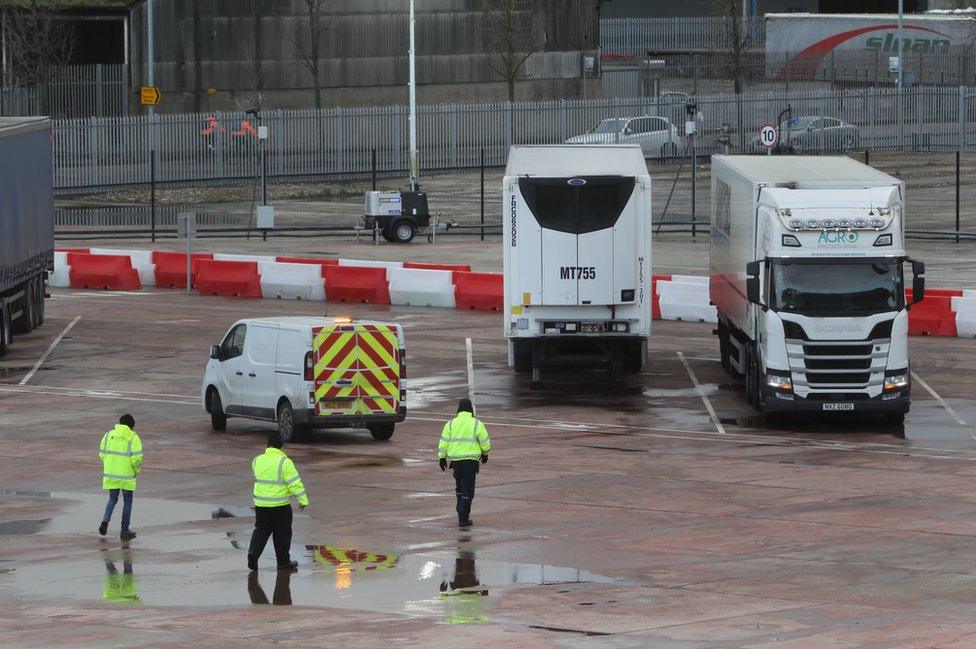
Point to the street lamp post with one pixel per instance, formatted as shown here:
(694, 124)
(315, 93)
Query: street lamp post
(414, 171)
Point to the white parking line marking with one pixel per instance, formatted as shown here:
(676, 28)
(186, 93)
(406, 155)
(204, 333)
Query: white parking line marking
(936, 396)
(54, 343)
(701, 393)
(468, 352)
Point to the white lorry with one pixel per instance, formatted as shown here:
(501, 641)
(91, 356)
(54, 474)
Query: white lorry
(807, 258)
(306, 372)
(577, 256)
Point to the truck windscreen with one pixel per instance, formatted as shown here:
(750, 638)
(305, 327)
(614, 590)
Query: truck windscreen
(817, 288)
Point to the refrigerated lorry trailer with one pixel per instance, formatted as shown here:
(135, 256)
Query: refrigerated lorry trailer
(807, 275)
(26, 224)
(577, 256)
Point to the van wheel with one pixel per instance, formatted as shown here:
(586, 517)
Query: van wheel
(403, 231)
(6, 335)
(218, 419)
(381, 432)
(287, 428)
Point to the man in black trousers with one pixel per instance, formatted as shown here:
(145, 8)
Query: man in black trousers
(276, 481)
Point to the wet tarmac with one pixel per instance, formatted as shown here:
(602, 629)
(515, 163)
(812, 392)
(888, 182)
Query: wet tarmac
(608, 515)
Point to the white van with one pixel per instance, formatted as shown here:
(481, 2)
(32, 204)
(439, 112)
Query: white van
(306, 372)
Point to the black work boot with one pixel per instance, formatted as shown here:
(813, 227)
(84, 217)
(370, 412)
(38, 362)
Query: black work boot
(252, 562)
(127, 535)
(466, 523)
(103, 528)
(291, 565)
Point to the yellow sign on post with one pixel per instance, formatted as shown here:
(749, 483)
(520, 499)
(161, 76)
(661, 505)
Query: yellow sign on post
(150, 96)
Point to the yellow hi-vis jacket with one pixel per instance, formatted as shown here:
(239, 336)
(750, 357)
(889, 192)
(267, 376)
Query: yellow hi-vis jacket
(464, 438)
(121, 455)
(276, 479)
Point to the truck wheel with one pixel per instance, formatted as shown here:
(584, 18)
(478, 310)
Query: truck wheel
(287, 428)
(895, 419)
(523, 357)
(403, 231)
(40, 301)
(751, 378)
(381, 432)
(6, 335)
(218, 419)
(25, 323)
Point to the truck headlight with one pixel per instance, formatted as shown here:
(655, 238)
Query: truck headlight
(896, 380)
(779, 382)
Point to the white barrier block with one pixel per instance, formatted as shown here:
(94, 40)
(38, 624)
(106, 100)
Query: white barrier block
(141, 261)
(690, 279)
(969, 293)
(258, 258)
(292, 281)
(59, 277)
(965, 308)
(371, 264)
(685, 301)
(421, 287)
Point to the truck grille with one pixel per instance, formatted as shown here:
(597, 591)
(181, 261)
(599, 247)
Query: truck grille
(831, 365)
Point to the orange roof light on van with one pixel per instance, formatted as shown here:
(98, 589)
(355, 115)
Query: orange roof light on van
(342, 319)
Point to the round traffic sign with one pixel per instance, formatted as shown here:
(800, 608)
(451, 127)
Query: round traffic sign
(768, 136)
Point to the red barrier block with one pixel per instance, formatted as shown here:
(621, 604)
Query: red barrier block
(481, 291)
(655, 297)
(230, 278)
(308, 260)
(171, 267)
(932, 316)
(425, 266)
(113, 272)
(82, 250)
(356, 284)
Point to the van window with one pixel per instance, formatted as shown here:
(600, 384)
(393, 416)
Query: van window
(588, 206)
(233, 345)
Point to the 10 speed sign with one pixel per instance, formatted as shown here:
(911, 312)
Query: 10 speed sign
(768, 136)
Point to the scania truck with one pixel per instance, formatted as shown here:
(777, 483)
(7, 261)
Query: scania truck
(577, 257)
(26, 223)
(807, 275)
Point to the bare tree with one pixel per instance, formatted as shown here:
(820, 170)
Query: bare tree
(309, 38)
(38, 41)
(736, 39)
(507, 28)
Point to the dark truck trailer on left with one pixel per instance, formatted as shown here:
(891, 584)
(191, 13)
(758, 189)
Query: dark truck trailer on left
(26, 223)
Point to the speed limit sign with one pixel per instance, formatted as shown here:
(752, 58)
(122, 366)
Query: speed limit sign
(768, 136)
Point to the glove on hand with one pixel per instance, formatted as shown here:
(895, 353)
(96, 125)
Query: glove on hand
(443, 463)
(484, 458)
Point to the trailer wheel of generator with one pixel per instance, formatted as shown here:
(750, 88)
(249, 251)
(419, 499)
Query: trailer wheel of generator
(381, 432)
(523, 357)
(6, 335)
(25, 323)
(387, 234)
(403, 231)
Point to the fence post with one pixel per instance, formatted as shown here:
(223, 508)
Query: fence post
(963, 95)
(564, 117)
(957, 196)
(99, 109)
(483, 194)
(372, 166)
(93, 151)
(152, 194)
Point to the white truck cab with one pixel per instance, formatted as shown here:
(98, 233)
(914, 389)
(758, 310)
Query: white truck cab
(306, 372)
(807, 257)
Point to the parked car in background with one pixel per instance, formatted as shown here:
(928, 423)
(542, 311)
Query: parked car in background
(816, 132)
(656, 136)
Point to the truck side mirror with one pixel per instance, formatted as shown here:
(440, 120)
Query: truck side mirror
(215, 352)
(752, 284)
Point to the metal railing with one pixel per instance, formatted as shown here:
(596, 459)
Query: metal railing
(73, 91)
(631, 35)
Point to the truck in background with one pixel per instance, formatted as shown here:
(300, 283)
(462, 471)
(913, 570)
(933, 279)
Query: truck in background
(577, 256)
(807, 257)
(26, 224)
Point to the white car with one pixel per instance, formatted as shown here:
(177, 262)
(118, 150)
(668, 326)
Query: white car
(656, 136)
(306, 372)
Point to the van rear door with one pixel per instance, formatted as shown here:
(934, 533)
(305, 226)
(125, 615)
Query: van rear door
(357, 369)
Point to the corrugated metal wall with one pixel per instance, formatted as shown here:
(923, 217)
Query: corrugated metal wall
(251, 44)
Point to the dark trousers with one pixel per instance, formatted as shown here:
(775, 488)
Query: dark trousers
(113, 498)
(465, 473)
(268, 522)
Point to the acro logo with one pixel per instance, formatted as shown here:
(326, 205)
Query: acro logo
(838, 237)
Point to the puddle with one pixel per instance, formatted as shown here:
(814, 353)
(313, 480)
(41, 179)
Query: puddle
(452, 585)
(707, 389)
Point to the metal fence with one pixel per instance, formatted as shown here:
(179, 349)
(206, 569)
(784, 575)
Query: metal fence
(74, 91)
(96, 153)
(629, 35)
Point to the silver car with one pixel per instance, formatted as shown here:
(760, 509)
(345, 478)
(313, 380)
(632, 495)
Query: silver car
(656, 136)
(818, 132)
